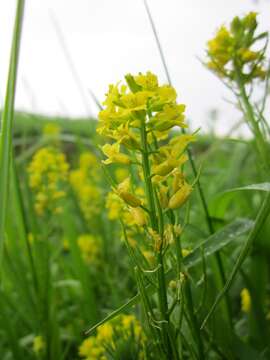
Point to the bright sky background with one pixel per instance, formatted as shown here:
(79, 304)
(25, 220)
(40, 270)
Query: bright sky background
(109, 38)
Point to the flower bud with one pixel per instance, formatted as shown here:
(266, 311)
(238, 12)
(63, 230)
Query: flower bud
(180, 197)
(129, 199)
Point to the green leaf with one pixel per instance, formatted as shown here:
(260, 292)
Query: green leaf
(7, 121)
(211, 245)
(259, 187)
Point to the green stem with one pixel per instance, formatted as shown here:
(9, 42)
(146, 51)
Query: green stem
(162, 293)
(261, 144)
(188, 294)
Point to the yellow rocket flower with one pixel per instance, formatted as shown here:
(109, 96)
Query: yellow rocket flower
(112, 151)
(123, 327)
(231, 50)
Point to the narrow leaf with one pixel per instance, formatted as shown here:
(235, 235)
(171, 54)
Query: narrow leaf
(7, 121)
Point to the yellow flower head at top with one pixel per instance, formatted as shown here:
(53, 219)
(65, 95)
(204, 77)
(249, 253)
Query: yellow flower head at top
(126, 104)
(231, 50)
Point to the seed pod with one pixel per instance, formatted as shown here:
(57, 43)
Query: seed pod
(165, 168)
(180, 197)
(129, 199)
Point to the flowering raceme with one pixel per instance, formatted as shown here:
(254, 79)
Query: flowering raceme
(232, 50)
(48, 175)
(138, 117)
(141, 119)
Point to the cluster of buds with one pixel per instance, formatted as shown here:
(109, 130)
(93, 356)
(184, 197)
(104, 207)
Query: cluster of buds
(139, 117)
(232, 50)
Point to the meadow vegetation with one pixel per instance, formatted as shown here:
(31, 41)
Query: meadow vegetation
(131, 237)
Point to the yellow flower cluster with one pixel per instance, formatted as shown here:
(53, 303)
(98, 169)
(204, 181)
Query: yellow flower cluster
(121, 328)
(137, 114)
(84, 183)
(126, 105)
(89, 247)
(232, 50)
(48, 174)
(138, 118)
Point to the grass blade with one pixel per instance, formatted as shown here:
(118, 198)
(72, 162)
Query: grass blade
(7, 121)
(259, 187)
(260, 219)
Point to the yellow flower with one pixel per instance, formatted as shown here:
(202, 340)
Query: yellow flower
(112, 151)
(51, 129)
(220, 48)
(89, 247)
(88, 160)
(123, 192)
(108, 334)
(165, 94)
(135, 101)
(180, 197)
(185, 252)
(105, 333)
(148, 81)
(172, 115)
(114, 205)
(230, 51)
(245, 300)
(121, 174)
(38, 344)
(90, 349)
(138, 117)
(139, 216)
(165, 167)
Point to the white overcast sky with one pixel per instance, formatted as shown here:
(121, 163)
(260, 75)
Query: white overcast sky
(108, 38)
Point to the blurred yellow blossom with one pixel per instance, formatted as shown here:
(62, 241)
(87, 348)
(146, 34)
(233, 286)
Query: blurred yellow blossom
(48, 174)
(120, 329)
(38, 344)
(84, 181)
(245, 300)
(89, 247)
(51, 129)
(233, 51)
